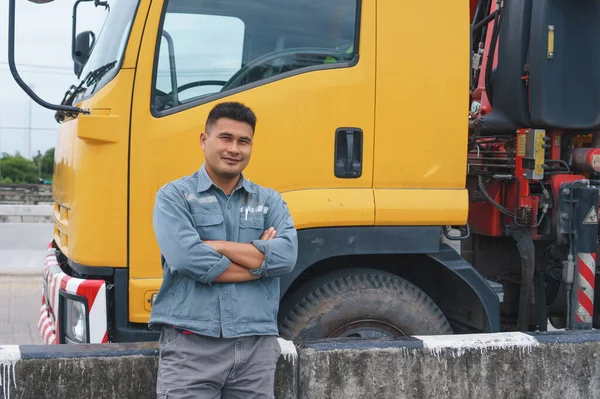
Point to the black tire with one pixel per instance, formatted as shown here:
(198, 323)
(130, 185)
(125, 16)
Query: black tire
(363, 303)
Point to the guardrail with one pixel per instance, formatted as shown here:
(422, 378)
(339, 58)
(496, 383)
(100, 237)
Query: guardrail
(501, 365)
(28, 194)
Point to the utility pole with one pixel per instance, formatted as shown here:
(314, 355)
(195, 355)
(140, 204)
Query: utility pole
(1, 150)
(32, 85)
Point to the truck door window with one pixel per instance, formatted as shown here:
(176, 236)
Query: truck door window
(210, 49)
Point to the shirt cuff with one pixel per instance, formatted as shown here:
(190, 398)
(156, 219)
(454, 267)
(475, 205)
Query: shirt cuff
(215, 271)
(262, 246)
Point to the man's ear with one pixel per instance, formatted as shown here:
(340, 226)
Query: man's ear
(203, 139)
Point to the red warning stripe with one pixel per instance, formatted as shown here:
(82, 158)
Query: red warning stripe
(586, 302)
(585, 271)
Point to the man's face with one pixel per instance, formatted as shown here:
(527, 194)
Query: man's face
(227, 147)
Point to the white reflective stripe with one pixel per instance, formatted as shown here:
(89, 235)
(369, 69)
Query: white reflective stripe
(98, 317)
(202, 200)
(47, 333)
(586, 288)
(45, 327)
(73, 284)
(54, 293)
(583, 314)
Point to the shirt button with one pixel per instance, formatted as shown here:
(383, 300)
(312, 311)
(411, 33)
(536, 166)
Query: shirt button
(229, 206)
(254, 222)
(203, 220)
(224, 297)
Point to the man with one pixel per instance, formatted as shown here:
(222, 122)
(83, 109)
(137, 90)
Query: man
(224, 243)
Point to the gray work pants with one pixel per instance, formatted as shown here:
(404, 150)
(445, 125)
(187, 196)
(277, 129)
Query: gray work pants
(194, 366)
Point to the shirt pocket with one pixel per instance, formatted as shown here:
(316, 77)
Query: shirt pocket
(251, 227)
(210, 226)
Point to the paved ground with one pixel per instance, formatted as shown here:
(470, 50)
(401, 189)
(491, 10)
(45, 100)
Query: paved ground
(20, 302)
(23, 247)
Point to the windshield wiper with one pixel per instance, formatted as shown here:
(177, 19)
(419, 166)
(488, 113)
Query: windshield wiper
(98, 73)
(91, 78)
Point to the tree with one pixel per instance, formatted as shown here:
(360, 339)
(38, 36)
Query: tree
(48, 164)
(18, 169)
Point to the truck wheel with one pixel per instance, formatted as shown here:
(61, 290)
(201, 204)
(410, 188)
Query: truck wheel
(361, 303)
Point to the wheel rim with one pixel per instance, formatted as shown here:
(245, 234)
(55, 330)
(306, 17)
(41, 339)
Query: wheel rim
(368, 329)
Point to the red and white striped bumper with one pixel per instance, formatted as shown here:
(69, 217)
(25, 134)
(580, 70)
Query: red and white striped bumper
(92, 291)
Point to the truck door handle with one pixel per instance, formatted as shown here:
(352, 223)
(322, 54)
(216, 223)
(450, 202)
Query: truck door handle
(348, 153)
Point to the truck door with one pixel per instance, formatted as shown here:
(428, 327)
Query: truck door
(307, 69)
(421, 122)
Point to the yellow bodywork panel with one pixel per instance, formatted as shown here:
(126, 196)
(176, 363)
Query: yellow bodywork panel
(330, 208)
(293, 150)
(90, 182)
(421, 207)
(420, 122)
(91, 166)
(422, 75)
(140, 298)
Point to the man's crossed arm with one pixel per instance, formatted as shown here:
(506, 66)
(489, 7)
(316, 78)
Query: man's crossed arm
(222, 261)
(243, 257)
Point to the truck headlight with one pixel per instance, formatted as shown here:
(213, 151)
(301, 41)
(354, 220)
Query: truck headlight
(75, 319)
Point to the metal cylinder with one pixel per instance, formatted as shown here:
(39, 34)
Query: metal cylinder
(586, 159)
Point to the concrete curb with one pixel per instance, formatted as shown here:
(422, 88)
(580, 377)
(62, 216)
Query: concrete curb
(10, 213)
(536, 365)
(126, 370)
(500, 365)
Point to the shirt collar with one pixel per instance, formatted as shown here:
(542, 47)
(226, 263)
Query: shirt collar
(205, 182)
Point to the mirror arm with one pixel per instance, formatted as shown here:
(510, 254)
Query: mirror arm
(75, 25)
(15, 73)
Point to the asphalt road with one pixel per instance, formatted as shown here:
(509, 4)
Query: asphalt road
(20, 303)
(23, 247)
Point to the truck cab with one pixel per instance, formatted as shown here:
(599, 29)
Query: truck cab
(363, 127)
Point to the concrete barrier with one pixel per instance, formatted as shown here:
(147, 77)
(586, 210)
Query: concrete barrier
(103, 371)
(26, 213)
(502, 365)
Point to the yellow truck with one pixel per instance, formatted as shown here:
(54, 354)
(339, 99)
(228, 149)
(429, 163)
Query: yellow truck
(368, 118)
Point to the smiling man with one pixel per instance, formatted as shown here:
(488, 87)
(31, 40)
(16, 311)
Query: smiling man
(224, 243)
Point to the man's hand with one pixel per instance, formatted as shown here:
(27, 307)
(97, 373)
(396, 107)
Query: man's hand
(268, 234)
(238, 273)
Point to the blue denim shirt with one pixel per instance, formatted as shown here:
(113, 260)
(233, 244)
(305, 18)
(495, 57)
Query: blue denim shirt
(192, 209)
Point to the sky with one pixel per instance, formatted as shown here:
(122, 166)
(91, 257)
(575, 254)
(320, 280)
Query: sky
(43, 57)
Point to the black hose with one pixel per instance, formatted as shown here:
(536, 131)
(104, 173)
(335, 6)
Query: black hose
(560, 161)
(527, 253)
(491, 53)
(491, 200)
(484, 21)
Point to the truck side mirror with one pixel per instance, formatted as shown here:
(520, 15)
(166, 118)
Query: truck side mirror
(84, 42)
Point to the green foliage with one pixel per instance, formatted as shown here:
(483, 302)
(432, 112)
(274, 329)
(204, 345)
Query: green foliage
(18, 169)
(48, 164)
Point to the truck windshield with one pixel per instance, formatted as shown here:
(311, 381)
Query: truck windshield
(110, 44)
(212, 46)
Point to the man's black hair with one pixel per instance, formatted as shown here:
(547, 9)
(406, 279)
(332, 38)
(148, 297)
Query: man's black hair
(231, 110)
